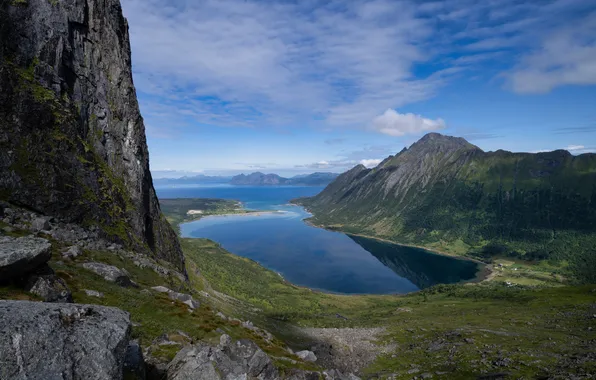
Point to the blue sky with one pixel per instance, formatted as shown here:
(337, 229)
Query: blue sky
(293, 87)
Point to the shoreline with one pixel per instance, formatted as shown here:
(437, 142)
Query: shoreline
(485, 272)
(244, 214)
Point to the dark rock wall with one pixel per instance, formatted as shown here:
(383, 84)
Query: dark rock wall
(72, 139)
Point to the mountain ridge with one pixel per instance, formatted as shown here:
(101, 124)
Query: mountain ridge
(446, 193)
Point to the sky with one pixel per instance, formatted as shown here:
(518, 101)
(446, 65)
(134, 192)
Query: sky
(291, 87)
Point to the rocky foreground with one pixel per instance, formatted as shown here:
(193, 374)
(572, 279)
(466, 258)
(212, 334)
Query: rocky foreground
(73, 341)
(50, 337)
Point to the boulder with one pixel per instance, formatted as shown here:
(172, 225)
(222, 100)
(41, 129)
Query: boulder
(184, 298)
(242, 359)
(307, 356)
(110, 273)
(44, 283)
(93, 293)
(62, 341)
(19, 256)
(161, 289)
(192, 304)
(40, 224)
(225, 341)
(193, 363)
(72, 252)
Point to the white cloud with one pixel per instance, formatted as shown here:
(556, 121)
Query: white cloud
(328, 164)
(575, 147)
(565, 57)
(349, 159)
(393, 123)
(370, 163)
(580, 149)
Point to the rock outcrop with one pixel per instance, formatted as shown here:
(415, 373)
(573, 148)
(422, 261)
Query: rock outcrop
(44, 283)
(240, 359)
(62, 341)
(110, 273)
(307, 355)
(72, 140)
(19, 256)
(186, 299)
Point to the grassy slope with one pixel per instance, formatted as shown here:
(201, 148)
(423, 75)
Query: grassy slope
(463, 330)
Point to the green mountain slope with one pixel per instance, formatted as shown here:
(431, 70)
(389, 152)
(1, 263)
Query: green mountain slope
(444, 192)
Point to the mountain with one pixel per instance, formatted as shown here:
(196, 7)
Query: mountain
(260, 179)
(314, 179)
(446, 193)
(198, 179)
(72, 139)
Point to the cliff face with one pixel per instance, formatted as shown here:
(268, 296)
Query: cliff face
(72, 139)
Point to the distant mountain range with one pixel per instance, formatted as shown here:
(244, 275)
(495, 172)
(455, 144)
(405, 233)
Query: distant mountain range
(261, 179)
(253, 179)
(201, 178)
(448, 194)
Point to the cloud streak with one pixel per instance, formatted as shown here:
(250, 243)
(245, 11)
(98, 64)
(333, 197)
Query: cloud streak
(276, 63)
(566, 57)
(342, 64)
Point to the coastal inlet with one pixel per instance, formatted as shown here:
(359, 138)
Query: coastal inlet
(277, 237)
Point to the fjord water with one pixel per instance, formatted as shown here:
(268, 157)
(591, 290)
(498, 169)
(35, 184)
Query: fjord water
(314, 257)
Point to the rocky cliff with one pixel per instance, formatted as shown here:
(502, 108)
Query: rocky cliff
(72, 139)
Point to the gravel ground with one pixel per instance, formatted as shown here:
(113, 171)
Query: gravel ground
(347, 349)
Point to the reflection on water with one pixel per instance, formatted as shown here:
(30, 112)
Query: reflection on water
(421, 267)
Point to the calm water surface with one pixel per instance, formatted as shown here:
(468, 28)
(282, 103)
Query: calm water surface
(314, 257)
